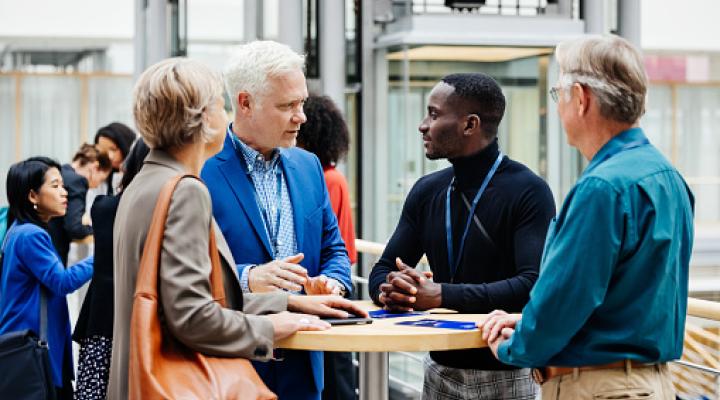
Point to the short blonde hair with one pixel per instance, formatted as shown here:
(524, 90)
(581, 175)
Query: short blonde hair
(170, 98)
(612, 68)
(252, 64)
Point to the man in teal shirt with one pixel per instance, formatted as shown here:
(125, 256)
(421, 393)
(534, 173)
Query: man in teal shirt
(608, 309)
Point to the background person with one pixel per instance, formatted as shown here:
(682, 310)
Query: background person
(89, 168)
(31, 264)
(94, 327)
(608, 310)
(114, 139)
(325, 134)
(179, 110)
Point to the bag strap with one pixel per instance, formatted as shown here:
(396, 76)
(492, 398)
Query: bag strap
(216, 277)
(43, 315)
(147, 278)
(2, 249)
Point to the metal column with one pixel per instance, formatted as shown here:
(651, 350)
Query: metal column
(158, 29)
(139, 40)
(332, 50)
(374, 372)
(629, 21)
(565, 8)
(290, 29)
(158, 46)
(252, 20)
(596, 15)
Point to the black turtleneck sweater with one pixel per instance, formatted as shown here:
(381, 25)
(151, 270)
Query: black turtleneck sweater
(494, 273)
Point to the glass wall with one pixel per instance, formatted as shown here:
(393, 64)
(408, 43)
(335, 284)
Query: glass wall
(698, 145)
(7, 130)
(682, 120)
(53, 114)
(521, 133)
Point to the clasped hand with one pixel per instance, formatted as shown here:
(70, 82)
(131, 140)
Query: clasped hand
(288, 274)
(407, 290)
(498, 327)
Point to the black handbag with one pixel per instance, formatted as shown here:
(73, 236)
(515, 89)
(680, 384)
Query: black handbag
(24, 358)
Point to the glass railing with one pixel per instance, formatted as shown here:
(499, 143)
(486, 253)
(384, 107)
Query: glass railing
(697, 374)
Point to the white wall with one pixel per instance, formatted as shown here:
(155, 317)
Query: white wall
(666, 24)
(215, 20)
(680, 25)
(67, 18)
(208, 20)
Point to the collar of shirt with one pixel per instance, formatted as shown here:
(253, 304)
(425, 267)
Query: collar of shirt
(470, 171)
(253, 158)
(615, 144)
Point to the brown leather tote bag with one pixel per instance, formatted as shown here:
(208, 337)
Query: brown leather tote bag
(161, 367)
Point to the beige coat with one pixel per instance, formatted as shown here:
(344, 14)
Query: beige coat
(189, 311)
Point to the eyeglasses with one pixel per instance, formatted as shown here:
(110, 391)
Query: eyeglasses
(554, 93)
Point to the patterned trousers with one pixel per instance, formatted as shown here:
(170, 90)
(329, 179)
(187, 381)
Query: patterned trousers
(445, 383)
(93, 368)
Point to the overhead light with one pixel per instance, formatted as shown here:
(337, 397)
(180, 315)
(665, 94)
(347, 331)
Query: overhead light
(464, 3)
(468, 53)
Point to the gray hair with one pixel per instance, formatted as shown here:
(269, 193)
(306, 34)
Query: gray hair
(612, 68)
(170, 99)
(253, 63)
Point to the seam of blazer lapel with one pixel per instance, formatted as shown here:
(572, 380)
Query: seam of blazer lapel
(235, 186)
(296, 200)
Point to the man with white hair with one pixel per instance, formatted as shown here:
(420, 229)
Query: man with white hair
(608, 309)
(270, 200)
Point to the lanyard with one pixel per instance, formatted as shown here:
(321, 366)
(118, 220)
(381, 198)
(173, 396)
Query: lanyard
(628, 146)
(452, 262)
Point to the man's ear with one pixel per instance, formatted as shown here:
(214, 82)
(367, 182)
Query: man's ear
(581, 97)
(244, 101)
(473, 125)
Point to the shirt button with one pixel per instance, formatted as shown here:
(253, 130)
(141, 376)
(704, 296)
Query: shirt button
(279, 243)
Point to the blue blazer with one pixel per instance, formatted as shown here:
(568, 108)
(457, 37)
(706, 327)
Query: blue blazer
(30, 261)
(316, 230)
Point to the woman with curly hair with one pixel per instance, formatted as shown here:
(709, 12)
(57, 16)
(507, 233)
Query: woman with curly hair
(326, 135)
(94, 327)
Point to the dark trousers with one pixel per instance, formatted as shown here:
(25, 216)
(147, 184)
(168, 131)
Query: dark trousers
(292, 378)
(340, 377)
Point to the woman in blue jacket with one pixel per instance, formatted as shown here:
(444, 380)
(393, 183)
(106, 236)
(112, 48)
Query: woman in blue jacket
(31, 264)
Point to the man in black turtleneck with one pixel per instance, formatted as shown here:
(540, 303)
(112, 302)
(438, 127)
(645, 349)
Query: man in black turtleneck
(495, 254)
